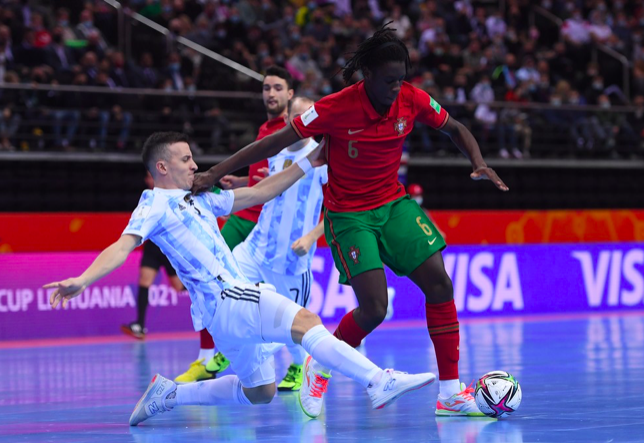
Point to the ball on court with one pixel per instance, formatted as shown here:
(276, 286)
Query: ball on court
(497, 394)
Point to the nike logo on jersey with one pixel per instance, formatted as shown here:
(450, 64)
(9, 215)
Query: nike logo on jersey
(355, 132)
(431, 242)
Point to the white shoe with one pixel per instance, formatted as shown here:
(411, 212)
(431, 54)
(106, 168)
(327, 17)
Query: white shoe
(460, 404)
(395, 384)
(153, 400)
(314, 386)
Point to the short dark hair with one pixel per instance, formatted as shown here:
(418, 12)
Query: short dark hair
(282, 73)
(156, 146)
(381, 48)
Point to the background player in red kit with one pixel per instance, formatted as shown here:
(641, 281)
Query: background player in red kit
(369, 218)
(277, 91)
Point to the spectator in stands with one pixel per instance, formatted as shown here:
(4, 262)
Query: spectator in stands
(528, 73)
(606, 126)
(513, 126)
(62, 21)
(399, 21)
(122, 73)
(42, 37)
(485, 116)
(9, 118)
(65, 111)
(173, 71)
(595, 89)
(86, 28)
(7, 61)
(495, 25)
(26, 53)
(599, 30)
(636, 122)
(89, 66)
(57, 55)
(148, 75)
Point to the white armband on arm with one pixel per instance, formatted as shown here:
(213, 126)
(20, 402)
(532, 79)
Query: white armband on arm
(304, 164)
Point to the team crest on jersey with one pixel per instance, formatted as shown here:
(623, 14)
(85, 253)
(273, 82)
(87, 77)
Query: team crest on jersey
(400, 125)
(354, 253)
(288, 162)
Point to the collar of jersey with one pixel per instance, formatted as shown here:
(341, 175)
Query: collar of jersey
(368, 107)
(172, 192)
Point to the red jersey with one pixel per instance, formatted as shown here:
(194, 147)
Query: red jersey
(363, 147)
(271, 126)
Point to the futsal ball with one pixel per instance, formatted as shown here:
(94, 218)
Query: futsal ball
(497, 394)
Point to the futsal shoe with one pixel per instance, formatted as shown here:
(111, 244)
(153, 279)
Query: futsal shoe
(459, 405)
(153, 400)
(314, 386)
(395, 384)
(219, 363)
(293, 379)
(134, 330)
(196, 372)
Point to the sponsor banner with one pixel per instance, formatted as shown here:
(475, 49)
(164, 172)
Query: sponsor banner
(95, 231)
(488, 281)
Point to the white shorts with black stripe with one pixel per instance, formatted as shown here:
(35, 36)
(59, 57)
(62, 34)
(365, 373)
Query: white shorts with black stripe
(247, 319)
(295, 287)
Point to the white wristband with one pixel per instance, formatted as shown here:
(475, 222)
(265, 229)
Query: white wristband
(304, 164)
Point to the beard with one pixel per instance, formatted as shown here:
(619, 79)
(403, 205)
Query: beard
(276, 110)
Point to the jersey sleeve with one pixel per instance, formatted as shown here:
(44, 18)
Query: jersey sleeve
(145, 218)
(318, 119)
(428, 111)
(221, 202)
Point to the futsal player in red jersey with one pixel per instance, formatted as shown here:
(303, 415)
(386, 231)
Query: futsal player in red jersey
(369, 218)
(277, 91)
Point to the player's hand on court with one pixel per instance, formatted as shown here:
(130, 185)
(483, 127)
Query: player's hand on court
(263, 173)
(302, 245)
(317, 157)
(65, 291)
(486, 173)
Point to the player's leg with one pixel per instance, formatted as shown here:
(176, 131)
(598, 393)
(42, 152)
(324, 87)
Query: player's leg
(150, 264)
(283, 321)
(298, 289)
(257, 387)
(411, 246)
(234, 232)
(354, 245)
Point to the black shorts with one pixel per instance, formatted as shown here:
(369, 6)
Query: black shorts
(154, 258)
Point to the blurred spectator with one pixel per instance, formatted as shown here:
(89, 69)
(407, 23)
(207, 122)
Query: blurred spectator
(86, 28)
(9, 117)
(57, 55)
(62, 21)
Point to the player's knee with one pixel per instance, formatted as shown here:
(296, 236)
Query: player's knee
(375, 312)
(303, 322)
(262, 395)
(441, 291)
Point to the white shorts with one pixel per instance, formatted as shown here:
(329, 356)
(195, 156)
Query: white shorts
(247, 319)
(295, 287)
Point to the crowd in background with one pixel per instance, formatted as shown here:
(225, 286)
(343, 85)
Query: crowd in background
(461, 51)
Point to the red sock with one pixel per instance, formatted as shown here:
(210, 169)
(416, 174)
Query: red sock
(349, 332)
(442, 325)
(206, 339)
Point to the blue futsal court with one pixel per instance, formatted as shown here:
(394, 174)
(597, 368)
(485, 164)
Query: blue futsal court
(581, 378)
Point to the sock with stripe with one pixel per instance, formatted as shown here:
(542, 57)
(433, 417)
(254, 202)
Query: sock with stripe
(349, 332)
(226, 390)
(331, 353)
(442, 324)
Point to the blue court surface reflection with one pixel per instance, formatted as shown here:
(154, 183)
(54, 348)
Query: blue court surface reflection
(581, 378)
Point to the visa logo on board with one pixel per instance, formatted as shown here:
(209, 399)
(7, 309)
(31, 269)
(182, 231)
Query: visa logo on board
(614, 278)
(495, 280)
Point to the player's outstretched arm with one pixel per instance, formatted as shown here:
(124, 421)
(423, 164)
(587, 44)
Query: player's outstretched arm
(303, 245)
(256, 151)
(272, 186)
(465, 141)
(111, 258)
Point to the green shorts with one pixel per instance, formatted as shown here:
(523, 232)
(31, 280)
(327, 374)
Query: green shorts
(398, 234)
(236, 230)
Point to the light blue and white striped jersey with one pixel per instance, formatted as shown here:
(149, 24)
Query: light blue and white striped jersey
(288, 217)
(184, 227)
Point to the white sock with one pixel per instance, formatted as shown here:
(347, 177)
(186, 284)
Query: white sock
(298, 353)
(447, 388)
(206, 354)
(332, 353)
(226, 390)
